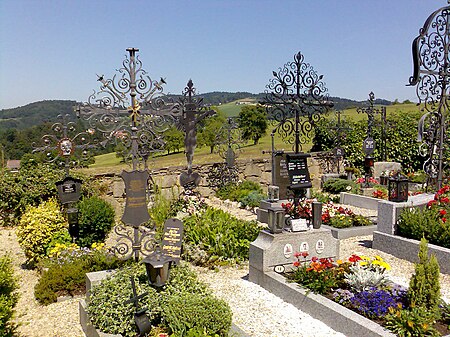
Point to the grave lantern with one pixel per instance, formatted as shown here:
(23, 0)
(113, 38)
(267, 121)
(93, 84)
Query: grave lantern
(398, 188)
(276, 220)
(158, 266)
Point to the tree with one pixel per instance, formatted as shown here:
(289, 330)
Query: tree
(253, 122)
(210, 133)
(174, 139)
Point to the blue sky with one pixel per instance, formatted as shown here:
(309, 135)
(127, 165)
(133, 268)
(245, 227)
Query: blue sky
(54, 49)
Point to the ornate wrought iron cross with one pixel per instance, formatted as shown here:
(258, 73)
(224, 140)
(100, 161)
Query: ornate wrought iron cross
(431, 77)
(296, 101)
(130, 108)
(63, 143)
(191, 111)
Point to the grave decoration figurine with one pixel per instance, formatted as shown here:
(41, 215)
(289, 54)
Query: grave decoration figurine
(191, 111)
(229, 140)
(431, 76)
(131, 107)
(60, 147)
(369, 143)
(295, 101)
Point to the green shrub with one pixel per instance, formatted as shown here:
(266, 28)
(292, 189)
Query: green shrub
(37, 227)
(253, 199)
(412, 322)
(109, 313)
(424, 288)
(241, 191)
(416, 223)
(337, 185)
(95, 220)
(161, 209)
(8, 297)
(192, 310)
(66, 275)
(219, 236)
(341, 221)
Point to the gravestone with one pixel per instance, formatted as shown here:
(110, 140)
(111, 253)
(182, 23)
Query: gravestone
(69, 190)
(275, 252)
(382, 166)
(172, 239)
(281, 176)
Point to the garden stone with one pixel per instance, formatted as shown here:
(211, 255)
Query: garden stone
(382, 166)
(252, 170)
(118, 189)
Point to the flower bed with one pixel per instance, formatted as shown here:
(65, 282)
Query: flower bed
(361, 285)
(332, 215)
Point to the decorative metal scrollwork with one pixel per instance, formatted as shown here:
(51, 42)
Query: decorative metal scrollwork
(130, 94)
(431, 76)
(62, 144)
(132, 242)
(295, 100)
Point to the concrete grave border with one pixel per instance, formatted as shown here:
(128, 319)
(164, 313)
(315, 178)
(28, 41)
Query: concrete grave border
(327, 311)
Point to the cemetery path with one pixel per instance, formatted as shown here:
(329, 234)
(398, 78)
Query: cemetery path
(55, 320)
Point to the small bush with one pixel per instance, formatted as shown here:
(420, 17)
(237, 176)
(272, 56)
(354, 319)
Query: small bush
(341, 221)
(95, 220)
(66, 273)
(416, 223)
(37, 227)
(192, 310)
(246, 192)
(412, 322)
(219, 236)
(336, 186)
(8, 297)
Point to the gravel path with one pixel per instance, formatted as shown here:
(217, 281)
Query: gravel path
(256, 311)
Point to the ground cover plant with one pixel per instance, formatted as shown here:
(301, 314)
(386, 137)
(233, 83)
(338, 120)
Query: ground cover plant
(361, 284)
(8, 297)
(248, 193)
(429, 222)
(64, 272)
(200, 311)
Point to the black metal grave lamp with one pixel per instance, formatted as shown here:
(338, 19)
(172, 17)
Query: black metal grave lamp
(157, 265)
(398, 188)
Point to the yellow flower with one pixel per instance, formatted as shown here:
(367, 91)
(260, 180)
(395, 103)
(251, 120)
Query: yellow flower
(339, 262)
(410, 324)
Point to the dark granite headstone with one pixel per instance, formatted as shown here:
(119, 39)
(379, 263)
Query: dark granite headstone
(281, 176)
(297, 168)
(136, 212)
(369, 145)
(172, 239)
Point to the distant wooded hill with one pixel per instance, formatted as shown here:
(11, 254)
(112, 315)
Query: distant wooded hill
(47, 111)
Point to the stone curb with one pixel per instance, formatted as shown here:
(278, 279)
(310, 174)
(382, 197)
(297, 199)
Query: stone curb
(345, 233)
(407, 249)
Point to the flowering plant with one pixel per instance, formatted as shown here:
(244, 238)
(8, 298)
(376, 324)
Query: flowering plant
(302, 210)
(441, 203)
(380, 193)
(372, 180)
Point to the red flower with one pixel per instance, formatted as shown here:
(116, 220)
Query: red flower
(297, 254)
(442, 212)
(296, 263)
(431, 203)
(305, 254)
(354, 258)
(314, 259)
(444, 220)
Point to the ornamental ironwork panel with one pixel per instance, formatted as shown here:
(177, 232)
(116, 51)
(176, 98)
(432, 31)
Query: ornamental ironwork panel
(431, 72)
(60, 145)
(295, 100)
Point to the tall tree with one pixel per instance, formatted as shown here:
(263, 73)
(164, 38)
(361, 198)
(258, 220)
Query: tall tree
(174, 139)
(211, 132)
(253, 122)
